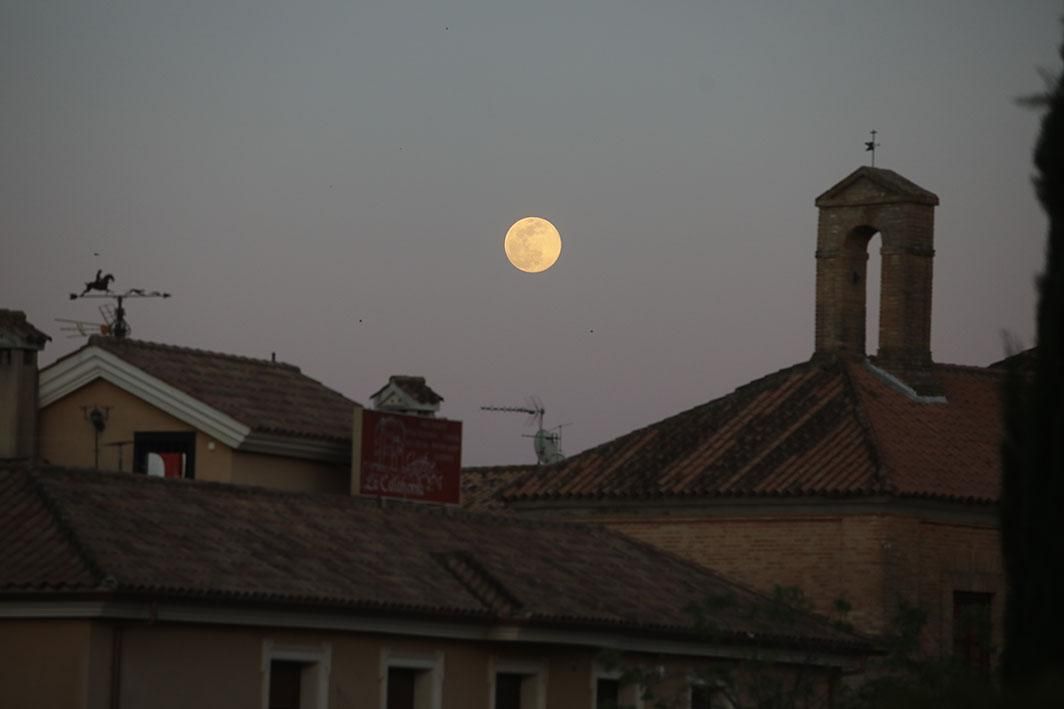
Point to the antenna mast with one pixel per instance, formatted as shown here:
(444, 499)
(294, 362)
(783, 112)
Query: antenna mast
(118, 328)
(546, 442)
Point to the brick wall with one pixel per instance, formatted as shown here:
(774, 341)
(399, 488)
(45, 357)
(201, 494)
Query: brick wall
(870, 560)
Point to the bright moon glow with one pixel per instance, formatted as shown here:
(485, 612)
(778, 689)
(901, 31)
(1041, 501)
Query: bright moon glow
(533, 244)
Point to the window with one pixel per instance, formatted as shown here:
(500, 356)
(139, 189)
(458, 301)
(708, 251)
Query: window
(295, 677)
(700, 696)
(518, 685)
(168, 454)
(709, 696)
(285, 684)
(971, 629)
(608, 692)
(411, 681)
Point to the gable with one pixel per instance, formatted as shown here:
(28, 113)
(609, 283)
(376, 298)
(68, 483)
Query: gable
(91, 363)
(872, 185)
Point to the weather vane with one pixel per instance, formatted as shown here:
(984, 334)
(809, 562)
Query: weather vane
(118, 327)
(870, 147)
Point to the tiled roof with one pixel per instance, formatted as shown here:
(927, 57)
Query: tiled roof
(481, 485)
(832, 428)
(268, 397)
(14, 323)
(1025, 361)
(414, 387)
(129, 536)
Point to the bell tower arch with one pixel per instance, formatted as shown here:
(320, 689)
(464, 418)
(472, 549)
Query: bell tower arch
(869, 201)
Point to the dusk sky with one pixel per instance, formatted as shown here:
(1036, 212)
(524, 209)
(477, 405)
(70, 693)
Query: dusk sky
(332, 181)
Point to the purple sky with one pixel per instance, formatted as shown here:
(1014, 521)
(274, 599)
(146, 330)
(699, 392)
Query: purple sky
(289, 169)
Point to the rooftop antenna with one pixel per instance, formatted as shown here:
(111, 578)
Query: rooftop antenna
(546, 442)
(117, 325)
(870, 147)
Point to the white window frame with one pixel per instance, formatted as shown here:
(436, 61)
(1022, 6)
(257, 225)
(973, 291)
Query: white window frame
(630, 695)
(717, 699)
(429, 663)
(533, 687)
(314, 682)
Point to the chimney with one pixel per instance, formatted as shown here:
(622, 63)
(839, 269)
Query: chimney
(404, 394)
(870, 201)
(19, 344)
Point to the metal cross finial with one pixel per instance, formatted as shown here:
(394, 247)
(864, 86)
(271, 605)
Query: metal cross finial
(870, 146)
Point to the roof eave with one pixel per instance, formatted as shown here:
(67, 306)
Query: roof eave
(90, 363)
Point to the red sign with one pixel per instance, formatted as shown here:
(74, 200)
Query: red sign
(414, 457)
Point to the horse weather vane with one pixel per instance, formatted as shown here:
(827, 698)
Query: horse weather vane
(100, 287)
(870, 147)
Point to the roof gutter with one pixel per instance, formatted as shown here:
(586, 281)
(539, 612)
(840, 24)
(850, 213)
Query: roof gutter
(474, 629)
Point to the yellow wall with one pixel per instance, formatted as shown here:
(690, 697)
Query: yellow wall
(289, 473)
(67, 438)
(44, 663)
(168, 666)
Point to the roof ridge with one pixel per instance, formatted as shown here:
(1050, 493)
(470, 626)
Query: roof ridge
(749, 386)
(326, 498)
(99, 340)
(989, 371)
(865, 422)
(66, 530)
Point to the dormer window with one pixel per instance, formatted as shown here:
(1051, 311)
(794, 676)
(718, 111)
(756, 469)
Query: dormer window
(166, 454)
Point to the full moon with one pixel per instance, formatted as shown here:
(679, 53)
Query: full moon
(532, 244)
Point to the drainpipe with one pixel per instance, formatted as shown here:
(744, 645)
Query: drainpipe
(116, 667)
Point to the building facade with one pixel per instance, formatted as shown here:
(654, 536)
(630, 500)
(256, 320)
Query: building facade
(121, 590)
(869, 483)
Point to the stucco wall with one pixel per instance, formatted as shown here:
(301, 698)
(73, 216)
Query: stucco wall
(44, 664)
(170, 666)
(289, 473)
(67, 438)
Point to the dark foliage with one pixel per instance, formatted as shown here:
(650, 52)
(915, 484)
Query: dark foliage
(1032, 505)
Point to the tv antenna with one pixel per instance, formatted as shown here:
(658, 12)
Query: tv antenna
(547, 442)
(85, 328)
(115, 316)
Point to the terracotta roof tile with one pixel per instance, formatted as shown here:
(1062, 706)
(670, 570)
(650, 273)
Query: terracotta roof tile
(268, 397)
(481, 485)
(174, 539)
(834, 428)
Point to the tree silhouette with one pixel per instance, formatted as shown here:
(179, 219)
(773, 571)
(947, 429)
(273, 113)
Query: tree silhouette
(1032, 501)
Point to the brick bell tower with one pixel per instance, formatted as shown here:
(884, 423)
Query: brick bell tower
(869, 201)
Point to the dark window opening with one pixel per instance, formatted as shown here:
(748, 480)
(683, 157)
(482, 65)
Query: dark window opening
(700, 696)
(607, 694)
(5, 356)
(402, 683)
(165, 454)
(508, 690)
(285, 684)
(971, 630)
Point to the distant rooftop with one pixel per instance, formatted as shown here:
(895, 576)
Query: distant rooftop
(266, 396)
(65, 533)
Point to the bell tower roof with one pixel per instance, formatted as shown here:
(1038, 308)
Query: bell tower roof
(875, 185)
